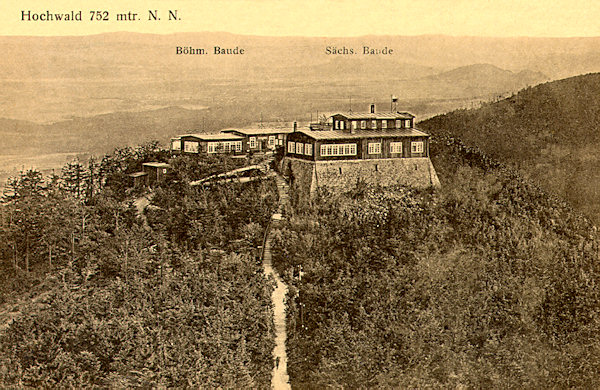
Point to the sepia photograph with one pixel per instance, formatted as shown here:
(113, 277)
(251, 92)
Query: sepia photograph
(327, 194)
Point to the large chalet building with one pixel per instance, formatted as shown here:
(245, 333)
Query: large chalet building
(383, 148)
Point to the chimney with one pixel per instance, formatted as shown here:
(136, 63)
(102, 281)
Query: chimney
(394, 104)
(372, 108)
(295, 126)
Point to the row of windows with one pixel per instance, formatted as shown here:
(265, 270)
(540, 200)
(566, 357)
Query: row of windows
(226, 146)
(300, 148)
(400, 123)
(338, 150)
(395, 147)
(272, 141)
(350, 149)
(190, 146)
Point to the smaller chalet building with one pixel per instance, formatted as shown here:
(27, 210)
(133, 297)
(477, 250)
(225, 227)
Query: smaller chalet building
(156, 172)
(152, 172)
(262, 139)
(209, 144)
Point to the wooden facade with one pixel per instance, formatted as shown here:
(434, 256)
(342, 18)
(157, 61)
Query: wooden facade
(360, 136)
(371, 146)
(261, 139)
(155, 172)
(354, 122)
(209, 144)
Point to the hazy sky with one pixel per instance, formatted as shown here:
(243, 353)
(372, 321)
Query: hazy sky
(331, 18)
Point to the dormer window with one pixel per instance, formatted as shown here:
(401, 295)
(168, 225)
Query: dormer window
(407, 123)
(398, 123)
(373, 124)
(363, 124)
(384, 124)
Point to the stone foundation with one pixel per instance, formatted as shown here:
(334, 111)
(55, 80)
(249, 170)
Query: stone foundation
(307, 176)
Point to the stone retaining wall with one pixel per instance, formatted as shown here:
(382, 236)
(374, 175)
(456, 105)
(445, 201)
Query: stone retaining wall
(307, 176)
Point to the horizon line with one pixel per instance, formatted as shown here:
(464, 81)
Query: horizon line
(301, 36)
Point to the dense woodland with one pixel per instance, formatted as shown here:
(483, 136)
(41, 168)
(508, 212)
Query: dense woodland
(487, 282)
(104, 296)
(549, 132)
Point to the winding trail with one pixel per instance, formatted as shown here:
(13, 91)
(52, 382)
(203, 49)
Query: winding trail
(279, 377)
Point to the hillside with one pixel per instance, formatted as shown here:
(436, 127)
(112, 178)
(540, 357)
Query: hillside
(486, 282)
(549, 132)
(93, 293)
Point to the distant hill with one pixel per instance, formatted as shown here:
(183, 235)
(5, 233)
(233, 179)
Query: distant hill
(487, 78)
(129, 54)
(490, 77)
(550, 132)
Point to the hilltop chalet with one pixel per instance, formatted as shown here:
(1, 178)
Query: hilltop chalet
(261, 139)
(209, 144)
(384, 148)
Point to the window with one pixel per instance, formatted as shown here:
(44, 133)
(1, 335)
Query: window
(308, 149)
(271, 140)
(374, 148)
(398, 123)
(165, 171)
(299, 148)
(407, 123)
(396, 147)
(337, 125)
(253, 142)
(291, 147)
(416, 147)
(373, 124)
(354, 125)
(384, 124)
(363, 124)
(176, 145)
(338, 150)
(211, 147)
(190, 146)
(226, 146)
(342, 125)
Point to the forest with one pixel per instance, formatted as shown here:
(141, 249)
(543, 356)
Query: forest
(487, 282)
(490, 281)
(548, 132)
(96, 294)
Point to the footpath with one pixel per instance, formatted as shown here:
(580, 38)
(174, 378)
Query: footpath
(279, 377)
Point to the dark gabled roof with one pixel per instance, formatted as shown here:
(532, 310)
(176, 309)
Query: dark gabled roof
(214, 137)
(377, 115)
(260, 131)
(337, 134)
